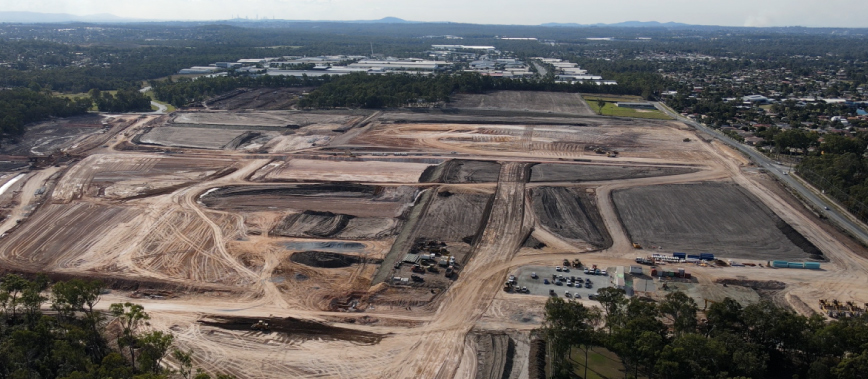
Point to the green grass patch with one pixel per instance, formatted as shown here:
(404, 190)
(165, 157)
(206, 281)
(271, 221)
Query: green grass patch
(610, 109)
(602, 364)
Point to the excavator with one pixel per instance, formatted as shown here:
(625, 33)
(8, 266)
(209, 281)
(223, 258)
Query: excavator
(261, 326)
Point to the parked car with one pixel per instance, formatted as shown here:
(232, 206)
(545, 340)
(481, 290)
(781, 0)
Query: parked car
(533, 275)
(545, 281)
(567, 294)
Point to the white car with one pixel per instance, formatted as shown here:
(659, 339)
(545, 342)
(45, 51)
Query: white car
(558, 268)
(533, 275)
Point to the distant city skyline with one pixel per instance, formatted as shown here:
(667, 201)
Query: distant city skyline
(832, 13)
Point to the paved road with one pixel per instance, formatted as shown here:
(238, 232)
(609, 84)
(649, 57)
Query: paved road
(781, 172)
(541, 69)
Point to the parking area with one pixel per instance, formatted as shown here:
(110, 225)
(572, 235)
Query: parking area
(539, 287)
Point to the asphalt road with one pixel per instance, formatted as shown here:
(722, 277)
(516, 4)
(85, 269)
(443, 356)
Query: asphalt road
(833, 213)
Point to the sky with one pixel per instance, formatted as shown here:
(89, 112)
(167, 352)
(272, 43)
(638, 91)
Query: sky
(828, 13)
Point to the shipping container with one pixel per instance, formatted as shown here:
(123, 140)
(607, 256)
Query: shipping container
(692, 256)
(780, 264)
(679, 255)
(686, 275)
(795, 265)
(812, 265)
(654, 272)
(706, 256)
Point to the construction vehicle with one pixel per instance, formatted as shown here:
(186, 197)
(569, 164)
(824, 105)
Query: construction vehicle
(636, 245)
(824, 305)
(417, 278)
(612, 154)
(577, 263)
(418, 269)
(449, 272)
(567, 263)
(261, 326)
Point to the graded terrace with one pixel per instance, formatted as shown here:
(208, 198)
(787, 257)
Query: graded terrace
(388, 236)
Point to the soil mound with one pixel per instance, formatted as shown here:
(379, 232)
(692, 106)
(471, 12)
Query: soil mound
(297, 329)
(570, 213)
(331, 225)
(324, 259)
(462, 171)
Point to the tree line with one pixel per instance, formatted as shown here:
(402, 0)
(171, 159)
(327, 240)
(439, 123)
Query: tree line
(360, 90)
(75, 340)
(665, 340)
(21, 106)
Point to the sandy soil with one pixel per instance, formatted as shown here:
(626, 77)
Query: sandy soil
(342, 171)
(215, 253)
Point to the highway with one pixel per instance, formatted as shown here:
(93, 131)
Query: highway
(826, 206)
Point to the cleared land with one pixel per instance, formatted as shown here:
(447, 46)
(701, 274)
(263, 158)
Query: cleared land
(303, 225)
(462, 171)
(342, 171)
(719, 218)
(351, 199)
(550, 102)
(257, 98)
(570, 213)
(554, 172)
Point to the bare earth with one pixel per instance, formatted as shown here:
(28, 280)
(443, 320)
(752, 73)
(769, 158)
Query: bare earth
(294, 229)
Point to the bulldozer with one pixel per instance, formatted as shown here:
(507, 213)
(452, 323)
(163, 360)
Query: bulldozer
(636, 245)
(261, 326)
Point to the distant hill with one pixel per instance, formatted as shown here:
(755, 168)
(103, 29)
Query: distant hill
(626, 24)
(36, 17)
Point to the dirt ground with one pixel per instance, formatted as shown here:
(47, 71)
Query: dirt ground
(258, 98)
(551, 102)
(712, 217)
(304, 229)
(548, 172)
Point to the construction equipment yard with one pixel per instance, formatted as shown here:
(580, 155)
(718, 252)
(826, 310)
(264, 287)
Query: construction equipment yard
(365, 244)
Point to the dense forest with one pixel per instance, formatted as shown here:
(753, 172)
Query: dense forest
(75, 340)
(125, 100)
(21, 106)
(665, 340)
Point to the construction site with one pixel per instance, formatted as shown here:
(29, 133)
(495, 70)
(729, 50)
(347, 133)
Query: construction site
(376, 244)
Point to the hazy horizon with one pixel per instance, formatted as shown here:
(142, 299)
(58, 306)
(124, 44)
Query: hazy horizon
(834, 13)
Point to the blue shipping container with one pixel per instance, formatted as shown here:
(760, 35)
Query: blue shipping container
(679, 255)
(795, 265)
(812, 265)
(706, 257)
(783, 264)
(692, 256)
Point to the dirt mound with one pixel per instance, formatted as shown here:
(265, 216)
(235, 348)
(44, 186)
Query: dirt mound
(558, 172)
(261, 98)
(331, 225)
(537, 360)
(495, 353)
(297, 329)
(326, 245)
(773, 285)
(462, 171)
(571, 214)
(324, 259)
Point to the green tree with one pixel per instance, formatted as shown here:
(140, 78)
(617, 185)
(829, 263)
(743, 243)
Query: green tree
(130, 317)
(680, 310)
